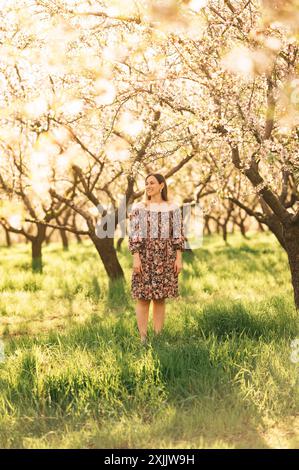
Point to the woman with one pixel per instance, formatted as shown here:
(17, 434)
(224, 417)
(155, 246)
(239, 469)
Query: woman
(156, 241)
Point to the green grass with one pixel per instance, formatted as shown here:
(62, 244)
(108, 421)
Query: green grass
(220, 376)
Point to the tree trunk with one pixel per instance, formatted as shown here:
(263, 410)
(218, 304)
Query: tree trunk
(65, 242)
(261, 227)
(7, 237)
(207, 226)
(224, 232)
(48, 237)
(36, 246)
(243, 229)
(63, 234)
(78, 238)
(107, 252)
(277, 228)
(118, 244)
(291, 236)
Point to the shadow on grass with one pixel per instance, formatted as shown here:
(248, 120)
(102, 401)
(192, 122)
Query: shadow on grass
(270, 321)
(196, 370)
(183, 374)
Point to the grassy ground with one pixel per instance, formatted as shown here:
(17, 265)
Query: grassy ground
(75, 376)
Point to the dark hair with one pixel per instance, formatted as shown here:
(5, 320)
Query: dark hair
(160, 179)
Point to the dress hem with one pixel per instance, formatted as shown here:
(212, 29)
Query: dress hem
(156, 298)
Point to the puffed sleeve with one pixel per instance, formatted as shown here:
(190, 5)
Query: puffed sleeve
(136, 239)
(178, 238)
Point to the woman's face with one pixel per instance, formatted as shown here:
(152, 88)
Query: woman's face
(152, 186)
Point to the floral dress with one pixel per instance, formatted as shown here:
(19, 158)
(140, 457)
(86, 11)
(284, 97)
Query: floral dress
(156, 235)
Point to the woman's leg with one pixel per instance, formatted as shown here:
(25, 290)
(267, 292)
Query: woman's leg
(142, 313)
(158, 314)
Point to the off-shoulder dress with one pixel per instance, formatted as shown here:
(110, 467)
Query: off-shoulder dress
(156, 234)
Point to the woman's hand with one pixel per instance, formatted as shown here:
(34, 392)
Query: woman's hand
(178, 264)
(137, 266)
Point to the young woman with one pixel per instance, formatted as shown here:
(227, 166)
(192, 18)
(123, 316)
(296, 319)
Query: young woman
(156, 241)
